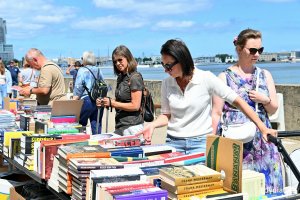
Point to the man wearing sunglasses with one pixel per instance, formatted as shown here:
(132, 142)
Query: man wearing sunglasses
(243, 77)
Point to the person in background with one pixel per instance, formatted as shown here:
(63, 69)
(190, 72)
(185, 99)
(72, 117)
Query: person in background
(73, 70)
(27, 76)
(128, 94)
(5, 83)
(51, 85)
(259, 155)
(186, 101)
(14, 71)
(89, 110)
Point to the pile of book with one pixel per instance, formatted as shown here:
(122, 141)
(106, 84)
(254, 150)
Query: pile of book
(122, 184)
(184, 182)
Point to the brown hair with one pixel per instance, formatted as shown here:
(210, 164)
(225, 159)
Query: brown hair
(2, 68)
(245, 35)
(124, 52)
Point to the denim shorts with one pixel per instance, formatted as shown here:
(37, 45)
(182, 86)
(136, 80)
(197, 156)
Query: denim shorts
(188, 145)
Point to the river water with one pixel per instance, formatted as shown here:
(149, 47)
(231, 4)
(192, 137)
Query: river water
(283, 73)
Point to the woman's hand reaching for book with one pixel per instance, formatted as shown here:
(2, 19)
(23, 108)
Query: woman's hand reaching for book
(147, 133)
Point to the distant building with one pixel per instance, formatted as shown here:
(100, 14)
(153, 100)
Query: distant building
(6, 50)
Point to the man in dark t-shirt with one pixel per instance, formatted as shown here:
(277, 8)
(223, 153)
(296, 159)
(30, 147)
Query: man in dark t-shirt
(14, 71)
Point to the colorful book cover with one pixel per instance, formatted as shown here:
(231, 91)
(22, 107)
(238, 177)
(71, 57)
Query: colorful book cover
(94, 151)
(14, 134)
(94, 163)
(147, 194)
(182, 175)
(182, 189)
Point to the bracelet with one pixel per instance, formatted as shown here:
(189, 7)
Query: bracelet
(30, 91)
(268, 102)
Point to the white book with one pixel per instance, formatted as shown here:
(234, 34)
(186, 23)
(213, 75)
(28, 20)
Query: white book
(36, 157)
(157, 149)
(111, 173)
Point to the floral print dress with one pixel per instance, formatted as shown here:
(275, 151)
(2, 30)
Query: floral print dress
(258, 155)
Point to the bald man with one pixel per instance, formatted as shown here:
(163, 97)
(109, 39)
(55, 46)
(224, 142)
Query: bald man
(51, 85)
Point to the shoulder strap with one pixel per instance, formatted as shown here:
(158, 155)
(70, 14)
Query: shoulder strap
(91, 72)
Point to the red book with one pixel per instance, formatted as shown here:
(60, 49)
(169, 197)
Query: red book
(48, 149)
(184, 157)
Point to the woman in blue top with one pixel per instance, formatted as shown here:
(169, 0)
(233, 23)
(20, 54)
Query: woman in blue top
(84, 76)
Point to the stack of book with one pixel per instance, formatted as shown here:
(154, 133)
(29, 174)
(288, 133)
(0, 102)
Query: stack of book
(98, 177)
(75, 151)
(193, 180)
(80, 169)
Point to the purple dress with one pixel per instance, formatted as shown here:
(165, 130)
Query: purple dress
(258, 155)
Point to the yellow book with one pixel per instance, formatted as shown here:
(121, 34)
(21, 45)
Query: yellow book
(193, 195)
(183, 189)
(192, 174)
(14, 134)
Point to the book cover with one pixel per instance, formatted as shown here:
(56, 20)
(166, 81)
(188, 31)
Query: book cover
(183, 175)
(182, 189)
(113, 175)
(184, 157)
(14, 134)
(150, 150)
(166, 155)
(28, 141)
(94, 151)
(196, 195)
(94, 163)
(109, 193)
(127, 152)
(145, 194)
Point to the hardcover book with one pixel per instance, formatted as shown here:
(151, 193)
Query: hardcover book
(94, 151)
(183, 175)
(145, 194)
(182, 189)
(94, 163)
(195, 195)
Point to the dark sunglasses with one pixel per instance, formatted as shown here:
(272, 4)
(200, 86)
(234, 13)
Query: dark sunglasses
(253, 51)
(118, 60)
(169, 67)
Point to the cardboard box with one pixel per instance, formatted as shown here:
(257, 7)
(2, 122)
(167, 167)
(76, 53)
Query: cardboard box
(67, 107)
(10, 104)
(224, 154)
(15, 193)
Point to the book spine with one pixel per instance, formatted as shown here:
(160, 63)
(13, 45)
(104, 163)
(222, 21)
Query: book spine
(198, 187)
(200, 194)
(184, 157)
(82, 168)
(88, 155)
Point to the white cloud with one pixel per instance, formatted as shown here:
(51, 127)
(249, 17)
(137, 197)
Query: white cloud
(154, 7)
(167, 24)
(108, 23)
(27, 18)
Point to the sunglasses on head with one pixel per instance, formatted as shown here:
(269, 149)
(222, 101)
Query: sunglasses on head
(169, 67)
(118, 60)
(253, 51)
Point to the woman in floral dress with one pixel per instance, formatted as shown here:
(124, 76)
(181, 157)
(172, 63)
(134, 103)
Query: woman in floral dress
(259, 154)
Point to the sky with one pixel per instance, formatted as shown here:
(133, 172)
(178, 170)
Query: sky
(67, 28)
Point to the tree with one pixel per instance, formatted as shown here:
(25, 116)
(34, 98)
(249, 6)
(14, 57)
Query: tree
(222, 57)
